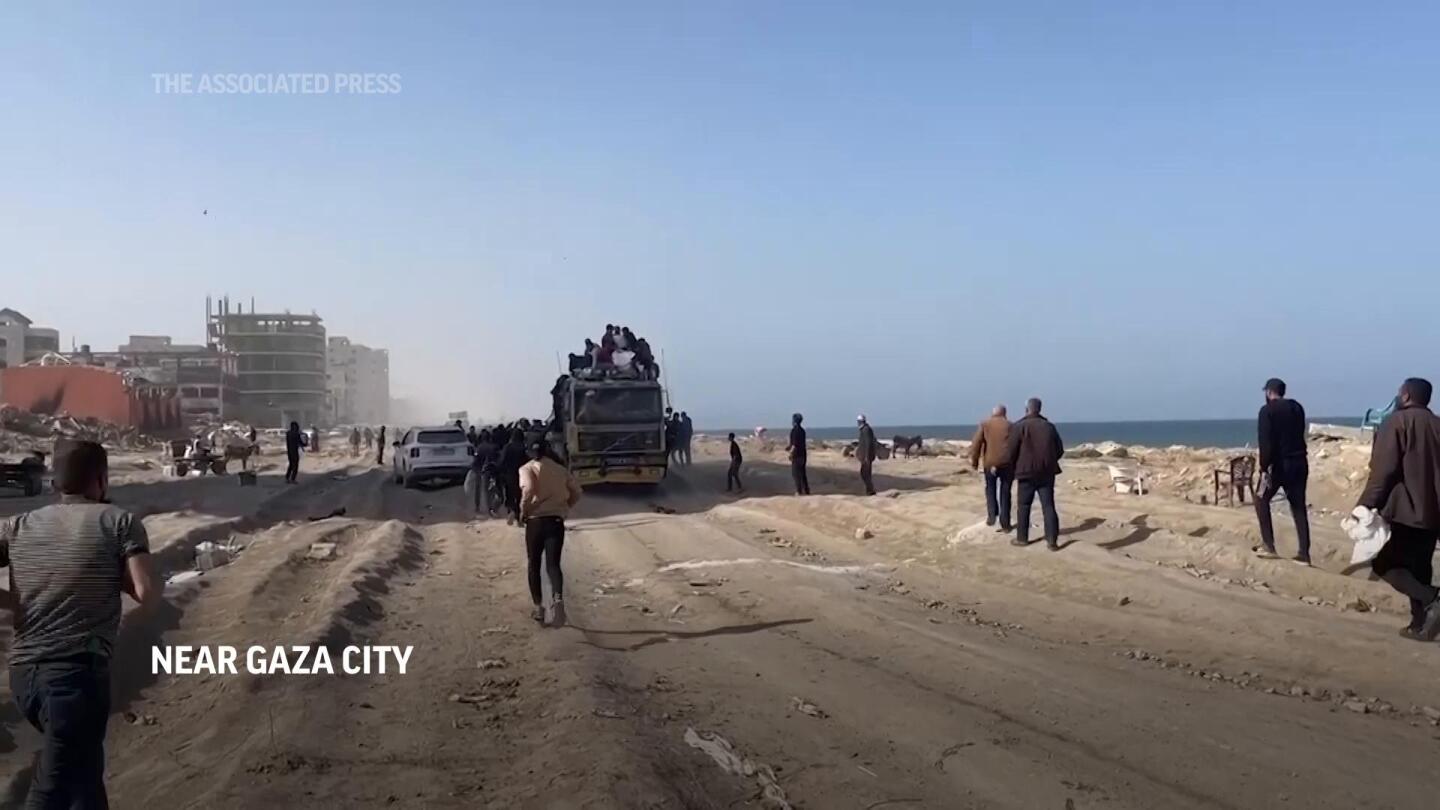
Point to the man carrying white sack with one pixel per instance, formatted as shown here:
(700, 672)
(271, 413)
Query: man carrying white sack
(1404, 486)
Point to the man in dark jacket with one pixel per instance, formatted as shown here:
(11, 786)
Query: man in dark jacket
(865, 451)
(512, 457)
(1034, 455)
(991, 445)
(1404, 486)
(798, 451)
(1282, 465)
(294, 440)
(732, 477)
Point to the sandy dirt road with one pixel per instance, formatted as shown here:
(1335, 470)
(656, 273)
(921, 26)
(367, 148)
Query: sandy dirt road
(757, 651)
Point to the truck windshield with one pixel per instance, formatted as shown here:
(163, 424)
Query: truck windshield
(623, 406)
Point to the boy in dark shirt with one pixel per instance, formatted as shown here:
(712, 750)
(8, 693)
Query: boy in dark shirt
(797, 451)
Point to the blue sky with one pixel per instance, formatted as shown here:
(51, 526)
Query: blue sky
(1133, 209)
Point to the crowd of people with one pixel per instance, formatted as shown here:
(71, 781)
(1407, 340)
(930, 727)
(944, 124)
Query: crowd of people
(618, 354)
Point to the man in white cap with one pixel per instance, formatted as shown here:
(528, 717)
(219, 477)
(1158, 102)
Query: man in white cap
(865, 451)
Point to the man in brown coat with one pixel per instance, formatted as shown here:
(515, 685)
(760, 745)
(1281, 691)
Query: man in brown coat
(990, 445)
(1034, 454)
(1404, 485)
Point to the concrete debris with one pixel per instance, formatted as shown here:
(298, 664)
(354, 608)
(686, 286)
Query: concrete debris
(807, 708)
(724, 754)
(321, 551)
(1359, 707)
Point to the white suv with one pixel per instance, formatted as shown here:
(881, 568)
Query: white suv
(427, 453)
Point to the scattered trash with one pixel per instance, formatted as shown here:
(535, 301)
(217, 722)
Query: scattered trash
(1357, 706)
(477, 698)
(209, 556)
(676, 610)
(493, 663)
(607, 714)
(807, 708)
(863, 534)
(702, 583)
(664, 510)
(503, 628)
(1123, 601)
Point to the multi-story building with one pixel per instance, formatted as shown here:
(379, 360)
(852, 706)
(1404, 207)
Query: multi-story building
(22, 341)
(206, 377)
(359, 383)
(281, 363)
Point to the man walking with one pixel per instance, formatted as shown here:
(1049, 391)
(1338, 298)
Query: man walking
(69, 562)
(479, 480)
(687, 438)
(1282, 464)
(294, 441)
(1404, 485)
(672, 437)
(1034, 454)
(732, 477)
(990, 446)
(549, 493)
(797, 451)
(866, 451)
(512, 458)
(380, 447)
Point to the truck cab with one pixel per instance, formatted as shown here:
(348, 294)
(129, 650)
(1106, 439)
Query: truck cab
(611, 430)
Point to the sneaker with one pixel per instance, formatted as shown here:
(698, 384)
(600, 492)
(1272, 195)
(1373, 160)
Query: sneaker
(1000, 529)
(989, 521)
(1300, 559)
(1018, 542)
(1053, 546)
(1412, 633)
(538, 614)
(1264, 552)
(1431, 626)
(557, 613)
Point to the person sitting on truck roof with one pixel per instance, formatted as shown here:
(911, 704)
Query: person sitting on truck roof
(580, 362)
(607, 341)
(624, 339)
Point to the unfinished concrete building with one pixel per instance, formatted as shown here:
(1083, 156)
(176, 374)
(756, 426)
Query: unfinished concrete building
(281, 367)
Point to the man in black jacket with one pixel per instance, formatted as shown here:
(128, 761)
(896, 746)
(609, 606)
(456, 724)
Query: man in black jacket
(798, 455)
(1034, 455)
(865, 451)
(1282, 465)
(512, 457)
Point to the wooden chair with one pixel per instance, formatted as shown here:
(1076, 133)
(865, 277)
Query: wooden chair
(1239, 475)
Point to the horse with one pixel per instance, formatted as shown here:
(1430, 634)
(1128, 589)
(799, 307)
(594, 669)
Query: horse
(907, 443)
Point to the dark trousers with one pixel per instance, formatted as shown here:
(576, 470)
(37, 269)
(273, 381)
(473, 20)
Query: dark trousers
(511, 484)
(545, 537)
(1409, 549)
(292, 469)
(797, 471)
(1292, 476)
(732, 477)
(997, 495)
(69, 702)
(1045, 489)
(867, 476)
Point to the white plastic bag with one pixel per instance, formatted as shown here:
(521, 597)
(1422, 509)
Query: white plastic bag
(1369, 531)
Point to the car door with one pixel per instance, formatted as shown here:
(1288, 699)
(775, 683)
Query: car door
(402, 453)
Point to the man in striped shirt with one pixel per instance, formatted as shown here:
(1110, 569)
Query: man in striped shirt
(69, 562)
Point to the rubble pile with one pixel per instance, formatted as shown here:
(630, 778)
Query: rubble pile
(16, 425)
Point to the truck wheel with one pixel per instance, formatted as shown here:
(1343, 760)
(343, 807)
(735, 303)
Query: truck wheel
(32, 487)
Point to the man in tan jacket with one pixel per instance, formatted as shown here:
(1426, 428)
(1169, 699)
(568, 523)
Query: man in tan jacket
(547, 493)
(990, 445)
